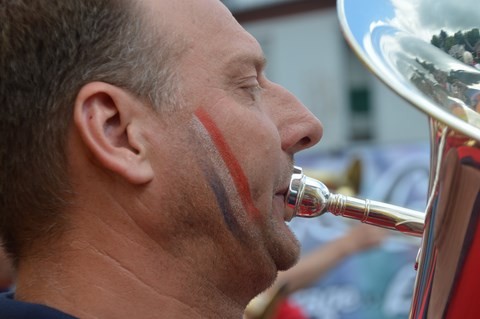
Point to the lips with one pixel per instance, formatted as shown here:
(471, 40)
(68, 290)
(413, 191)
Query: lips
(280, 196)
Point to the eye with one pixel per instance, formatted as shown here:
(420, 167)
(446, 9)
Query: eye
(252, 88)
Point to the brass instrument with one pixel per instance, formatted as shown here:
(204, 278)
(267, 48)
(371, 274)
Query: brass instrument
(308, 197)
(428, 52)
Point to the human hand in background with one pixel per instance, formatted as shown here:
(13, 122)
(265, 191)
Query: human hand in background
(362, 237)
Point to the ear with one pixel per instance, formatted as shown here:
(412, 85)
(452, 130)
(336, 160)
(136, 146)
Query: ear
(109, 123)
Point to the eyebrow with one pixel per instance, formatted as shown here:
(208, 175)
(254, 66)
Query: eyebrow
(236, 62)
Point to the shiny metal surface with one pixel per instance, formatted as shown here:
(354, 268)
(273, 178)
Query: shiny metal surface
(428, 52)
(393, 39)
(308, 197)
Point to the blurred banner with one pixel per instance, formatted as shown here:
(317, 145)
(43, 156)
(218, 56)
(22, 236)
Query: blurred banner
(377, 283)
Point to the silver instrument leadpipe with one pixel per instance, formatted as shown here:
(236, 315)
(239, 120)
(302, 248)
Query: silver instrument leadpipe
(308, 197)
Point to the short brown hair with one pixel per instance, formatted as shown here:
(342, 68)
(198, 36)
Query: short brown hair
(49, 49)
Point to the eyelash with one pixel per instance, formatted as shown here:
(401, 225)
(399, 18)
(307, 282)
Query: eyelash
(253, 90)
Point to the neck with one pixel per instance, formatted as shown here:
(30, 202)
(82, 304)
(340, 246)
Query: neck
(104, 274)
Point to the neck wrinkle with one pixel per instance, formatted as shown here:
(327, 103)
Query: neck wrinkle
(121, 278)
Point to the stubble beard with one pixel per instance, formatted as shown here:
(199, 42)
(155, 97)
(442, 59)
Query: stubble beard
(284, 247)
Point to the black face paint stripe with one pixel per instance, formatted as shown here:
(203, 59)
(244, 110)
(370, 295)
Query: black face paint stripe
(222, 200)
(204, 146)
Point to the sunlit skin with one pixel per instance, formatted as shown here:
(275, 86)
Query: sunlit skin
(165, 222)
(234, 168)
(257, 119)
(217, 175)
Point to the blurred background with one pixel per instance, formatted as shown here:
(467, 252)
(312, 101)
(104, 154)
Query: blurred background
(375, 145)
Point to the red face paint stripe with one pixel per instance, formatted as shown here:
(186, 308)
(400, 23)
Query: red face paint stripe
(234, 168)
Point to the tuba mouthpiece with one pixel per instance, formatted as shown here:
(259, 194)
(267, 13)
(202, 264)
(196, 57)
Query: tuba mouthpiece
(308, 197)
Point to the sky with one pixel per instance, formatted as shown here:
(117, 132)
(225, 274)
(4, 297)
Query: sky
(423, 18)
(428, 17)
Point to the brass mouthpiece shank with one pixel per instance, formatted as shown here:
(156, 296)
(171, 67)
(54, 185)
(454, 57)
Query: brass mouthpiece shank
(308, 197)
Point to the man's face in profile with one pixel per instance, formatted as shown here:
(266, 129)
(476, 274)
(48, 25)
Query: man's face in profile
(232, 144)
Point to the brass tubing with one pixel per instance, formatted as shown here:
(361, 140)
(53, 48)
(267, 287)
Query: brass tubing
(308, 197)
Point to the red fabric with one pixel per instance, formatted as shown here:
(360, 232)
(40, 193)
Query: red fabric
(464, 303)
(467, 151)
(288, 310)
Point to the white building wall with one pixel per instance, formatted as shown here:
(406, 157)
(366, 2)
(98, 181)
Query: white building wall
(304, 54)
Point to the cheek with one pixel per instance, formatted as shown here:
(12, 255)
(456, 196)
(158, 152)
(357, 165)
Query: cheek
(227, 166)
(259, 150)
(256, 138)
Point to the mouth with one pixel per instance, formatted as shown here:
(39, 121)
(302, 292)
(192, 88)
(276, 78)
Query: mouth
(280, 198)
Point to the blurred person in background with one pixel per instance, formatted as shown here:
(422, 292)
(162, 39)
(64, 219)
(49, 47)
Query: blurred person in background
(274, 303)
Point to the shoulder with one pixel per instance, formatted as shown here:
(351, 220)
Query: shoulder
(14, 309)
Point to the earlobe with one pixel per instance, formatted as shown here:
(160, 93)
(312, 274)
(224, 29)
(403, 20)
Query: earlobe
(109, 125)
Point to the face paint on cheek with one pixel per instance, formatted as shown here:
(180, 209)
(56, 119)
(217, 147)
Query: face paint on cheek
(216, 175)
(221, 196)
(232, 165)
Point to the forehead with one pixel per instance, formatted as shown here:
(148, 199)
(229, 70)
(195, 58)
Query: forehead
(207, 27)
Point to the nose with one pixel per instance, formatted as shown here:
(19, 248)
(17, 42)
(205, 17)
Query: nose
(299, 129)
(305, 132)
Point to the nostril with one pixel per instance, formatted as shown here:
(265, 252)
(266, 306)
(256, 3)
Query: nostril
(305, 141)
(301, 132)
(298, 145)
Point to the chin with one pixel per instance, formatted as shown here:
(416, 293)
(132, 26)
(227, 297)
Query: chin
(287, 262)
(288, 253)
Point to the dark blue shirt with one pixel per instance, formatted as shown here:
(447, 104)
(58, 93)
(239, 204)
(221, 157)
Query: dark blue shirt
(14, 309)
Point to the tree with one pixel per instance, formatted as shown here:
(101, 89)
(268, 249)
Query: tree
(443, 37)
(459, 37)
(436, 41)
(471, 38)
(449, 43)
